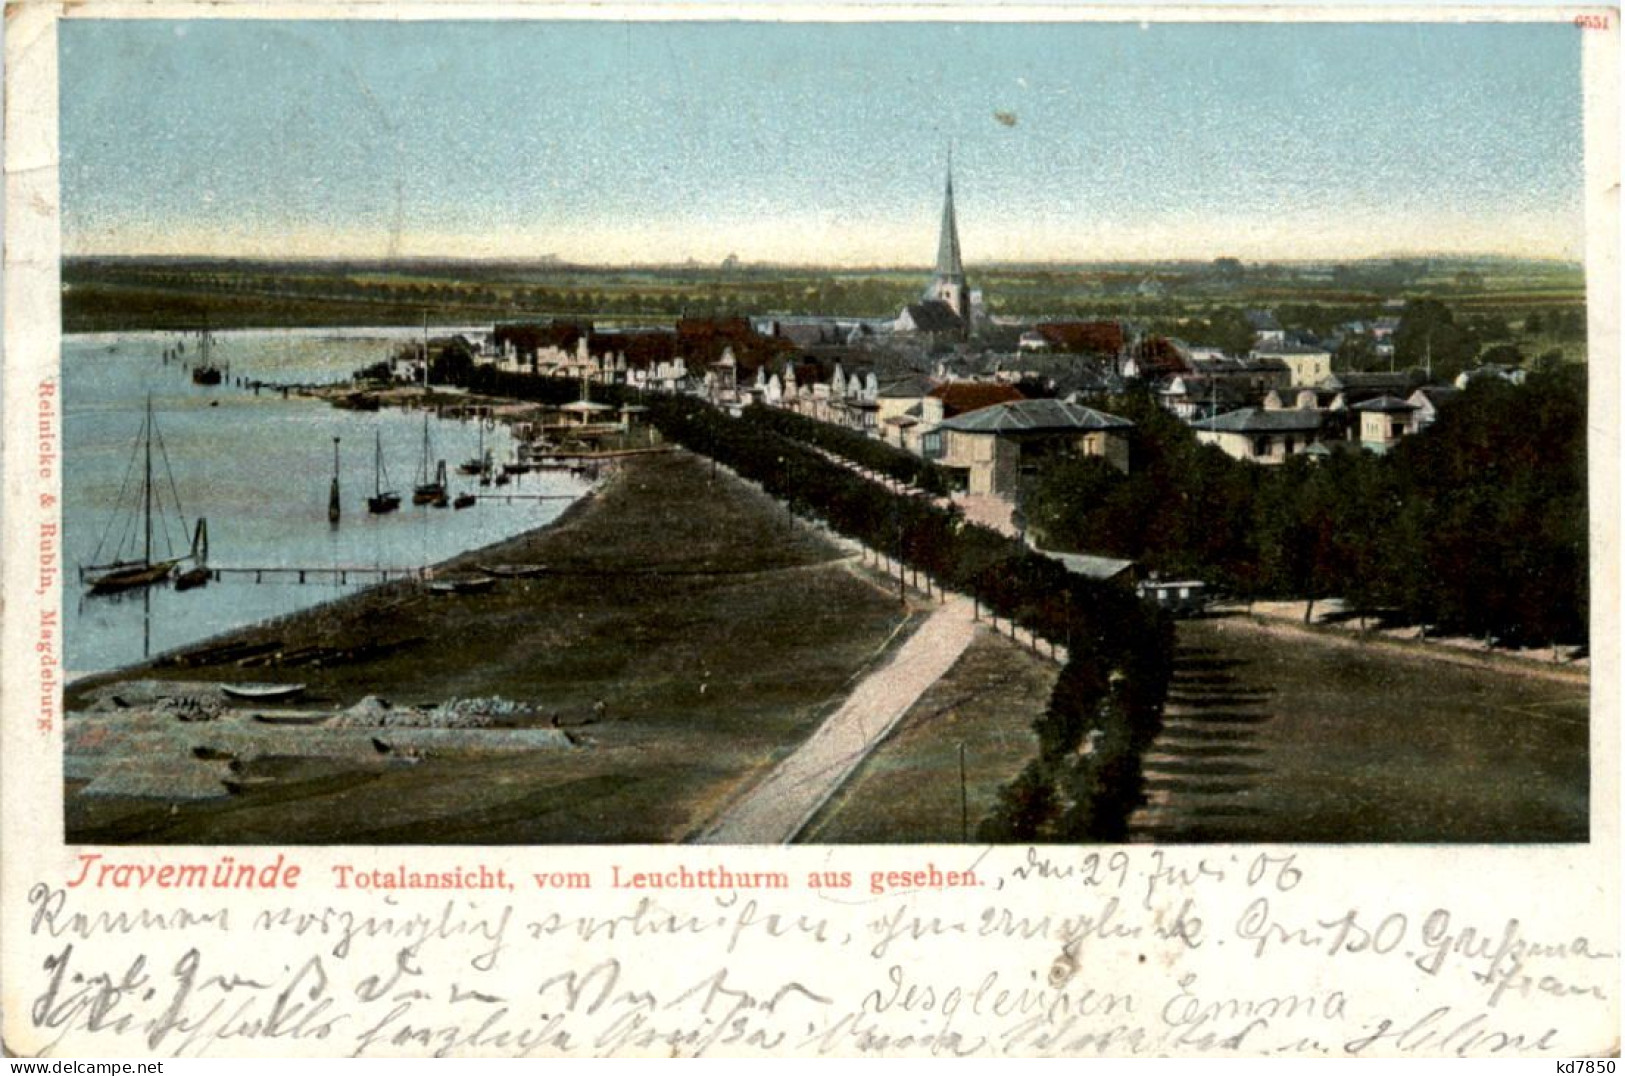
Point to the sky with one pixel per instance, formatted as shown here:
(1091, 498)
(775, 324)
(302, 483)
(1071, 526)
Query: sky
(614, 142)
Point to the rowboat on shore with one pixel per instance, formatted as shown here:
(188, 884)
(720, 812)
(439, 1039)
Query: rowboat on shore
(511, 571)
(262, 692)
(462, 586)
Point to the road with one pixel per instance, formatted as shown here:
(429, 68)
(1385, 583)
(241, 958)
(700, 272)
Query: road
(778, 807)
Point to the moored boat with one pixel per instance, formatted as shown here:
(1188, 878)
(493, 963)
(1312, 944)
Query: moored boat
(206, 372)
(429, 490)
(382, 500)
(134, 567)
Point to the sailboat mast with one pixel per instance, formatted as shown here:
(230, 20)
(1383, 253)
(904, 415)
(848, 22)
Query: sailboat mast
(378, 464)
(146, 487)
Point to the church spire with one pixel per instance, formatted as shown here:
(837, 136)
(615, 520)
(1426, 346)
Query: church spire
(948, 283)
(949, 266)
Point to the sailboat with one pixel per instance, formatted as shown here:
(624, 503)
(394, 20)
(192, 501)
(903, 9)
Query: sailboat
(476, 465)
(132, 572)
(198, 574)
(205, 372)
(427, 490)
(382, 500)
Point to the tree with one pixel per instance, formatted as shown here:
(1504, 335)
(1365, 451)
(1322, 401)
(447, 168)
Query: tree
(1429, 336)
(1357, 353)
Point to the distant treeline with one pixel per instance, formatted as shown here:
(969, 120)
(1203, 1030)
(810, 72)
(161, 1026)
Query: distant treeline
(1107, 703)
(1476, 526)
(119, 293)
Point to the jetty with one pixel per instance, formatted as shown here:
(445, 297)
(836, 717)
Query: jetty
(329, 572)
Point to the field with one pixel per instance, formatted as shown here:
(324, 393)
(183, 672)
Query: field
(1276, 735)
(687, 634)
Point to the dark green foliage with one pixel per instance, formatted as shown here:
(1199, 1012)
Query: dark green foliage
(1024, 809)
(852, 445)
(1476, 526)
(453, 362)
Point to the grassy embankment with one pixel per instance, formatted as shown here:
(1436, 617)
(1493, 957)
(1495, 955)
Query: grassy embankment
(715, 635)
(1276, 733)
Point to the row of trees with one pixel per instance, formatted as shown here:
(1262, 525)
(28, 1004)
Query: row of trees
(862, 450)
(1476, 525)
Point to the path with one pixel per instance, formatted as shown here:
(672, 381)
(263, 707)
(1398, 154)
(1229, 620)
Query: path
(782, 803)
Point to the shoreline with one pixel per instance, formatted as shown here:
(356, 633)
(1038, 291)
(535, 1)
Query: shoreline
(403, 398)
(166, 660)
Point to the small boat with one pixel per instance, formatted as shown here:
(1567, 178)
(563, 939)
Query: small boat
(462, 586)
(290, 719)
(479, 462)
(463, 500)
(262, 692)
(382, 500)
(238, 785)
(192, 578)
(511, 571)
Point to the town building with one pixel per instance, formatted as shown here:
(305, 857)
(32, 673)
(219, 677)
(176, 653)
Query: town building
(1428, 400)
(1259, 436)
(1309, 364)
(993, 445)
(1383, 422)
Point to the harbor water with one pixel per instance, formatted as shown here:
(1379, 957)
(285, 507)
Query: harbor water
(259, 469)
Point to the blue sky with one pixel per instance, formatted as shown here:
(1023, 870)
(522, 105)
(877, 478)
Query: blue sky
(819, 143)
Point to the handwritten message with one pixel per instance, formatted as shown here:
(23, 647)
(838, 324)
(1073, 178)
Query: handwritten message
(1021, 951)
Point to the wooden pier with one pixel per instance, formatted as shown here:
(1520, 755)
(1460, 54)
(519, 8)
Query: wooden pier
(526, 496)
(341, 574)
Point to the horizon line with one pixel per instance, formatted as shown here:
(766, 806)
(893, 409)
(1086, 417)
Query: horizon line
(553, 261)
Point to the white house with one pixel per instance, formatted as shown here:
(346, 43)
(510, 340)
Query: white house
(1260, 436)
(1309, 365)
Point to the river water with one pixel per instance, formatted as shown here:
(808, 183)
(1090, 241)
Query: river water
(258, 468)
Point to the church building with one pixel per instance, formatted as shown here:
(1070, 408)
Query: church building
(945, 309)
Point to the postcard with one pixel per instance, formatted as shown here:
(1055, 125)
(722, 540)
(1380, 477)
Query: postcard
(558, 531)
